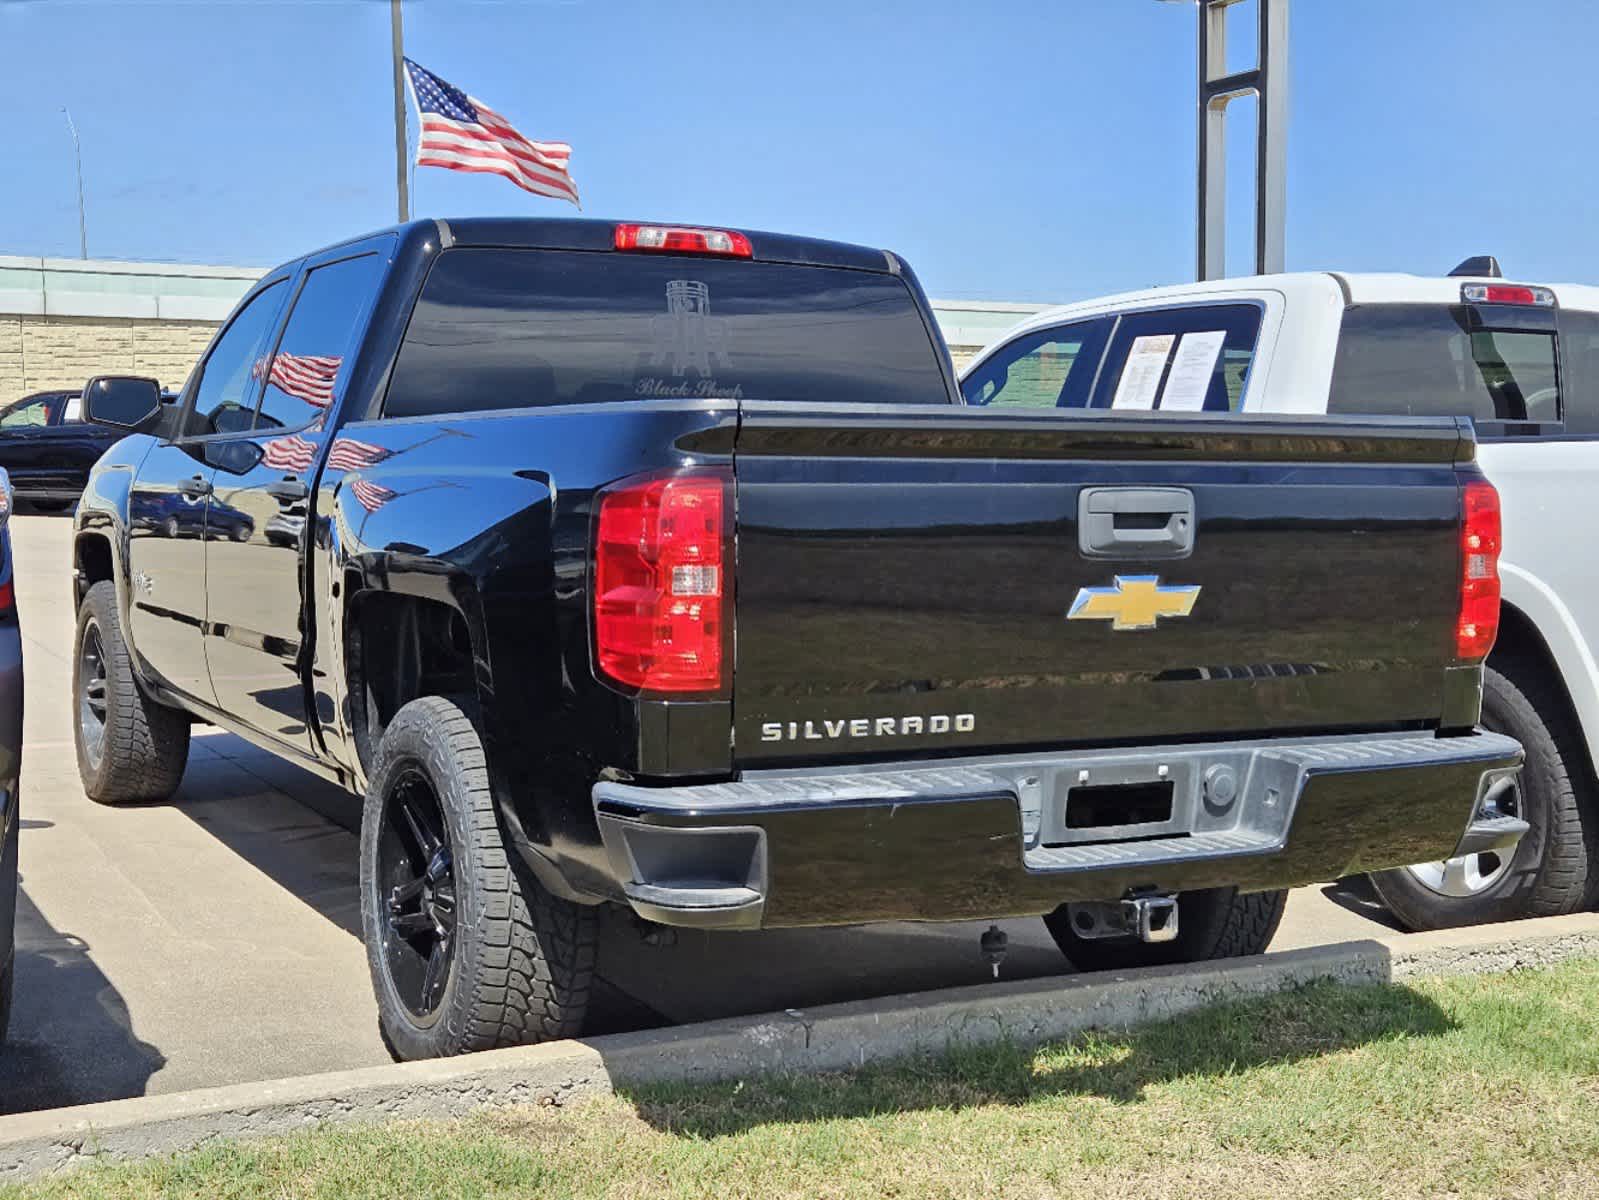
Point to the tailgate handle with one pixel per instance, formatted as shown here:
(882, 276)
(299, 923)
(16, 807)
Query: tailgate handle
(1116, 522)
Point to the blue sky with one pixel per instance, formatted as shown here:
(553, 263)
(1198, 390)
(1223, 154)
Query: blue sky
(1031, 151)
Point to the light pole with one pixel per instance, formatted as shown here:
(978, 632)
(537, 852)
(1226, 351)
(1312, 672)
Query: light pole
(397, 49)
(1267, 81)
(77, 154)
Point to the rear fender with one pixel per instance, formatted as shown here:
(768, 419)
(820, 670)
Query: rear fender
(1571, 656)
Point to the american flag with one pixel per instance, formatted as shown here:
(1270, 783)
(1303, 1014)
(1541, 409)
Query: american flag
(371, 496)
(289, 453)
(461, 133)
(307, 377)
(350, 455)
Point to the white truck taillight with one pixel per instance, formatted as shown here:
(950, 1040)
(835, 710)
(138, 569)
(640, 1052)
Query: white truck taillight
(1480, 541)
(661, 594)
(1507, 293)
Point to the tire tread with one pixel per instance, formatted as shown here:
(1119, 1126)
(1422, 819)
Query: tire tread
(534, 952)
(146, 743)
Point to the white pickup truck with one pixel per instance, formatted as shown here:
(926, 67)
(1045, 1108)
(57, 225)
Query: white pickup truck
(1522, 361)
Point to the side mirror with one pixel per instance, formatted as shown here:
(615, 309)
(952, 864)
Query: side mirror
(123, 402)
(8, 498)
(233, 456)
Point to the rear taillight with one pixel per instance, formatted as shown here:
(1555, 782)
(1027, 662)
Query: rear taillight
(661, 592)
(1479, 573)
(683, 239)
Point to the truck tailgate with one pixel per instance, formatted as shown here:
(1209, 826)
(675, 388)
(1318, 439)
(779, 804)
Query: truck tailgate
(920, 578)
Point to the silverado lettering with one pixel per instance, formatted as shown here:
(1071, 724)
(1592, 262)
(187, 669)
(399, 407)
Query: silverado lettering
(860, 727)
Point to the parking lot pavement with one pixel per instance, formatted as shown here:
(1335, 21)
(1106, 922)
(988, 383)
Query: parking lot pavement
(216, 939)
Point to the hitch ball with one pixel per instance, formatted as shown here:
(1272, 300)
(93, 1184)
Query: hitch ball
(993, 944)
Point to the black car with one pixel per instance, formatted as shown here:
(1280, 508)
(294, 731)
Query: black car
(10, 754)
(47, 450)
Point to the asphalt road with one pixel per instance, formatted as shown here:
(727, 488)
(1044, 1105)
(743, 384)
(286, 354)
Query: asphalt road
(215, 939)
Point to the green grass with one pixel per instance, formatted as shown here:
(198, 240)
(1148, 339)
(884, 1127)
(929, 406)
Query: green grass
(1468, 1087)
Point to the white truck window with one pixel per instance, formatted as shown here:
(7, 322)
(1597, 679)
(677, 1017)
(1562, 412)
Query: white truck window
(1579, 371)
(1052, 368)
(1208, 349)
(1441, 360)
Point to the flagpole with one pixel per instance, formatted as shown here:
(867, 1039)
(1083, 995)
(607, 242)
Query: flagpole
(397, 38)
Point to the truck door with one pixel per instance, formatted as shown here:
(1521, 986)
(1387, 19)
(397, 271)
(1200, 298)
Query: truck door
(256, 623)
(167, 500)
(22, 442)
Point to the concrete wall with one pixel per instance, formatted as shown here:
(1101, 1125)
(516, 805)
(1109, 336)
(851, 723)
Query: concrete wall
(63, 320)
(61, 352)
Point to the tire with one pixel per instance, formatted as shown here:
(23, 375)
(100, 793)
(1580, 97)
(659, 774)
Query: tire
(130, 747)
(517, 961)
(1549, 871)
(1220, 923)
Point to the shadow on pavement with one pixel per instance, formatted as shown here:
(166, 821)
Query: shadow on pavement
(71, 1041)
(299, 831)
(1354, 894)
(1290, 1027)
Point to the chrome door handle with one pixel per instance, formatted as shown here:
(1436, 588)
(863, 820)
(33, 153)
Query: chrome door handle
(287, 490)
(1116, 522)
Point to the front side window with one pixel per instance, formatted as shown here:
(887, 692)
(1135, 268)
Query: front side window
(223, 398)
(1443, 360)
(497, 329)
(320, 333)
(1050, 368)
(1190, 359)
(26, 413)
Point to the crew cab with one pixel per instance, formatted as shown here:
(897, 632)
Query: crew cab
(1521, 361)
(664, 567)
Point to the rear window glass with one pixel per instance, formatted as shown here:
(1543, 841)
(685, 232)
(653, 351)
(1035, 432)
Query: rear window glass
(1579, 383)
(523, 328)
(1439, 360)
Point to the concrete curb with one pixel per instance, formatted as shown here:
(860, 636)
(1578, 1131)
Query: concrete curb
(832, 1038)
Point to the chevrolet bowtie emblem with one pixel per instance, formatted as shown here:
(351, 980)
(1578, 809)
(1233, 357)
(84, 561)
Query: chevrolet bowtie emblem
(1136, 602)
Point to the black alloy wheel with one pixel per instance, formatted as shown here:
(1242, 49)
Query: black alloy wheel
(92, 694)
(417, 877)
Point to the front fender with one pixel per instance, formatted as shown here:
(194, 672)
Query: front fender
(103, 514)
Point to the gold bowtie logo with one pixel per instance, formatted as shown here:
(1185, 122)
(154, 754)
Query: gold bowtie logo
(1136, 602)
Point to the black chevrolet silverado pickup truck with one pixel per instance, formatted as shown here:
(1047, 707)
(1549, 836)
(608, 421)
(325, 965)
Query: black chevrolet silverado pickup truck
(664, 567)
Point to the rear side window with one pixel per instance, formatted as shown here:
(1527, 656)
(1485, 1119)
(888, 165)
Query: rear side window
(1051, 368)
(1190, 359)
(1444, 360)
(320, 332)
(497, 329)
